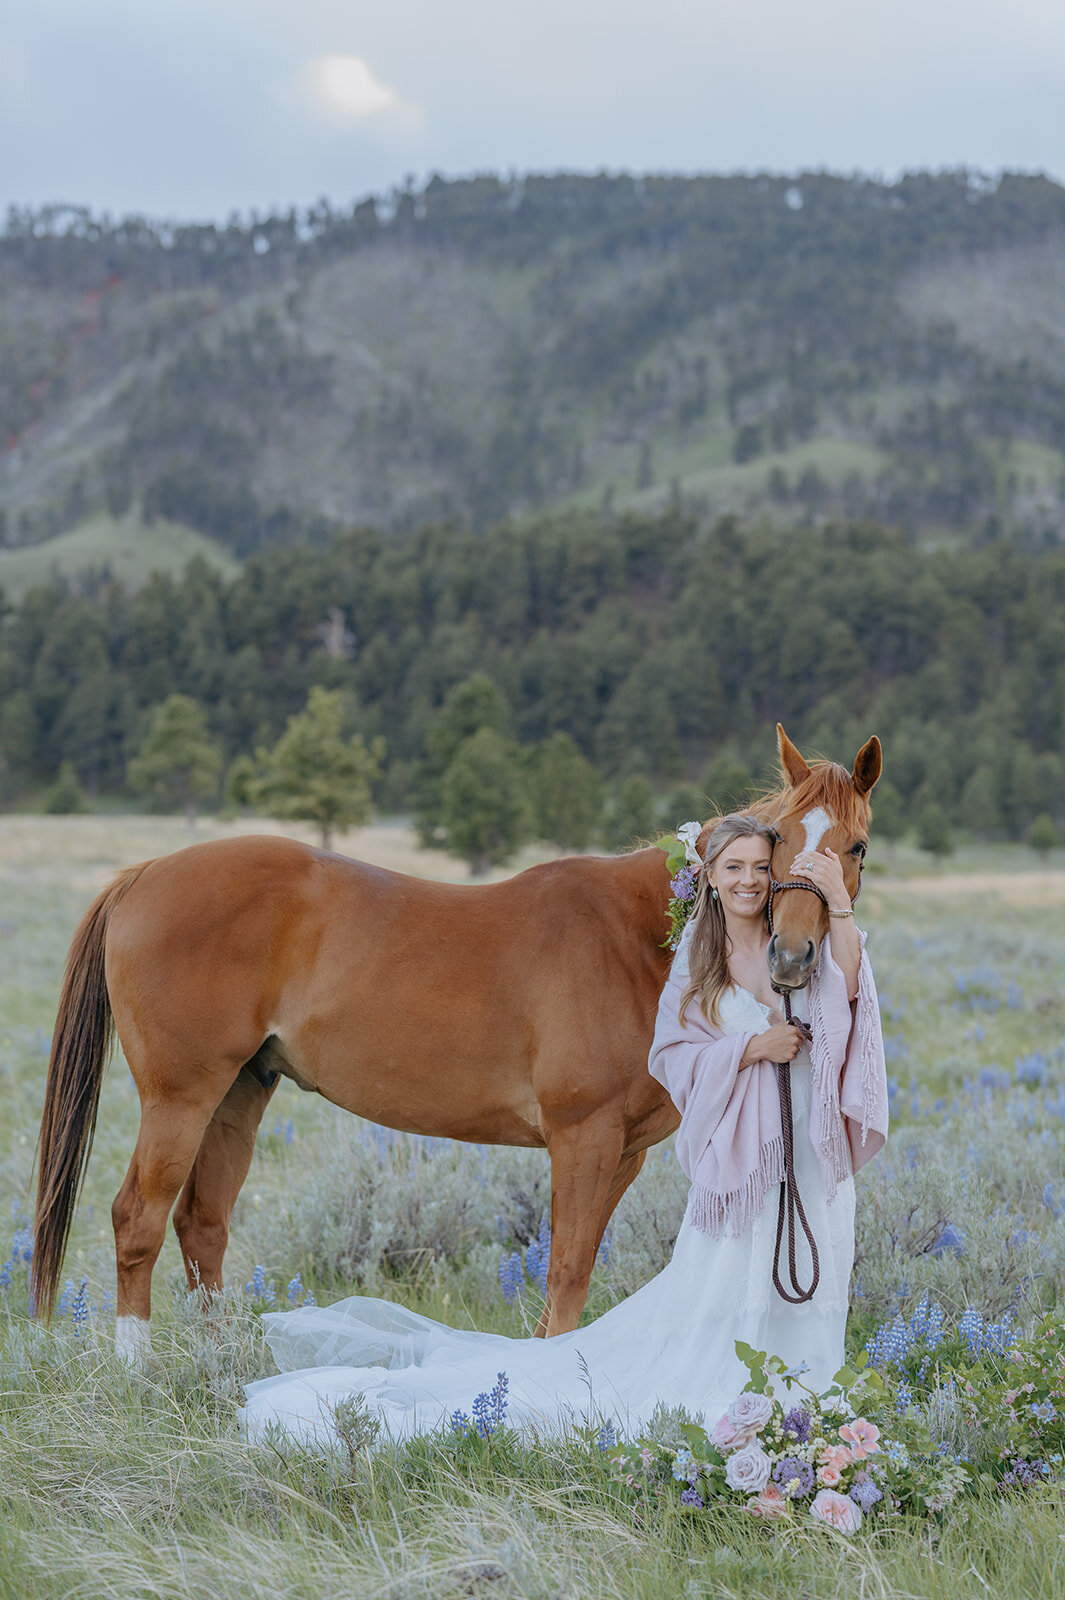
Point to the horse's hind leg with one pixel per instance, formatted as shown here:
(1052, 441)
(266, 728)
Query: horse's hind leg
(201, 1217)
(169, 1137)
(584, 1163)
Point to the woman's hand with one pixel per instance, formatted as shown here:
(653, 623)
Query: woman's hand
(781, 1042)
(824, 869)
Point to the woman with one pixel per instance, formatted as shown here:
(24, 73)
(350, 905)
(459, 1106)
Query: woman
(673, 1342)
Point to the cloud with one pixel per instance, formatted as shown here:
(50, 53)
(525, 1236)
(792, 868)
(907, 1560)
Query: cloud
(347, 89)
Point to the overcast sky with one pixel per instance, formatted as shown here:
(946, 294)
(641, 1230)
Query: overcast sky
(196, 108)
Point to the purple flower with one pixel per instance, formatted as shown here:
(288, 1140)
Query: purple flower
(789, 1469)
(798, 1422)
(864, 1492)
(682, 886)
(692, 1497)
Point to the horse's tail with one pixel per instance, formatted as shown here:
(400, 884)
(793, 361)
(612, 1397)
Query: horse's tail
(84, 1032)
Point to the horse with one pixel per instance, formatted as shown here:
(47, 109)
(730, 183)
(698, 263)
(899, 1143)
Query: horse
(518, 1012)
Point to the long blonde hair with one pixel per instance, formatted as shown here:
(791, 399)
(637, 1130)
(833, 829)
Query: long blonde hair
(708, 951)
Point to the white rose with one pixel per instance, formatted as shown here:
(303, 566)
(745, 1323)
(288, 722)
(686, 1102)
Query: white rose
(748, 1469)
(749, 1414)
(689, 836)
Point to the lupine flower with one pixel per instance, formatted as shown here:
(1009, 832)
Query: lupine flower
(607, 1437)
(80, 1309)
(490, 1409)
(259, 1288)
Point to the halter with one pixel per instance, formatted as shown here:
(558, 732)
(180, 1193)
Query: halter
(790, 1206)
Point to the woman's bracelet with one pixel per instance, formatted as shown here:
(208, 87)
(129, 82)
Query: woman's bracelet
(848, 913)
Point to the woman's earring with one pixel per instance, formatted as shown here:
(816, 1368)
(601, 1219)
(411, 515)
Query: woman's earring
(715, 894)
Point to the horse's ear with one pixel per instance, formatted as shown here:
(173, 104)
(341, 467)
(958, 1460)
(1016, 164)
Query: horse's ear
(867, 765)
(794, 766)
(704, 836)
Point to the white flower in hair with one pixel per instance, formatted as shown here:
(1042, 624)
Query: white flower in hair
(688, 836)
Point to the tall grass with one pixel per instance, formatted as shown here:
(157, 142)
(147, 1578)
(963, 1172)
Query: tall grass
(141, 1484)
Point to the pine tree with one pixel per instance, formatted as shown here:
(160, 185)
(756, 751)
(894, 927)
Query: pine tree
(313, 774)
(565, 794)
(482, 809)
(178, 764)
(66, 796)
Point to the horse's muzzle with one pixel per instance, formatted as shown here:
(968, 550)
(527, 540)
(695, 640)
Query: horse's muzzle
(788, 968)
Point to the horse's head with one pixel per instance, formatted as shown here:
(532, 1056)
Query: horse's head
(822, 805)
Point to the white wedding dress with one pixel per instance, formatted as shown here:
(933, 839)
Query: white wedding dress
(671, 1343)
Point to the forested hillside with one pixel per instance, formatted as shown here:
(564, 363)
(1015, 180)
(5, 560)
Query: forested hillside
(819, 346)
(664, 648)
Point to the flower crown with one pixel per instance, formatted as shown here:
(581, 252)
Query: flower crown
(685, 863)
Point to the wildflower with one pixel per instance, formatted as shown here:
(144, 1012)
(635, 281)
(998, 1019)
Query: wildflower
(682, 887)
(864, 1492)
(460, 1423)
(490, 1410)
(692, 1497)
(80, 1309)
(798, 1422)
(511, 1276)
(685, 1467)
(862, 1436)
(1045, 1411)
(607, 1437)
(794, 1476)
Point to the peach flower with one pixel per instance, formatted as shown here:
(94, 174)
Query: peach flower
(836, 1511)
(863, 1437)
(772, 1502)
(829, 1476)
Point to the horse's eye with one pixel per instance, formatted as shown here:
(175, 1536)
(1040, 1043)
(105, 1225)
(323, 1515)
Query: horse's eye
(858, 849)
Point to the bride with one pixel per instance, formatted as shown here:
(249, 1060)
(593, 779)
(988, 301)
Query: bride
(671, 1343)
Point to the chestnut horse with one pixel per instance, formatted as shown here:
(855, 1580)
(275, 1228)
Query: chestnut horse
(516, 1013)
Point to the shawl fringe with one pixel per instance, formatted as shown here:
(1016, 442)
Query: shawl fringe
(718, 1214)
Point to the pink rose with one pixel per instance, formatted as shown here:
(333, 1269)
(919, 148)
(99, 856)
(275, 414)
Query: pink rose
(772, 1502)
(836, 1511)
(836, 1455)
(749, 1414)
(863, 1437)
(748, 1469)
(828, 1475)
(725, 1436)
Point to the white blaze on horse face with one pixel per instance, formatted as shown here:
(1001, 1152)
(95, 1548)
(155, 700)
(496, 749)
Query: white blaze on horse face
(815, 825)
(133, 1339)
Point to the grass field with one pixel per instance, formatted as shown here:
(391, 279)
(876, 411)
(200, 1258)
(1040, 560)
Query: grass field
(114, 1483)
(124, 547)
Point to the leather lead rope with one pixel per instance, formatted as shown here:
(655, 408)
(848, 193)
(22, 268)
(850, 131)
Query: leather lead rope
(790, 1206)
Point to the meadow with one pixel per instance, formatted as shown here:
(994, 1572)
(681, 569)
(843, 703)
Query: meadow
(140, 1484)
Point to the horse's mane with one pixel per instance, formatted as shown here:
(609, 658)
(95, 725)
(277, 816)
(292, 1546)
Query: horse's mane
(828, 785)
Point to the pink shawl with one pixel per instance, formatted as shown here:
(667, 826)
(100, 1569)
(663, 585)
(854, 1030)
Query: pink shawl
(729, 1141)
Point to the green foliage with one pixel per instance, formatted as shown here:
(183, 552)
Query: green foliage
(889, 812)
(240, 787)
(934, 832)
(483, 813)
(1043, 835)
(314, 774)
(727, 783)
(66, 795)
(630, 819)
(471, 705)
(565, 794)
(178, 764)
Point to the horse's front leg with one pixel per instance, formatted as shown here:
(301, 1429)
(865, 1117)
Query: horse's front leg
(584, 1162)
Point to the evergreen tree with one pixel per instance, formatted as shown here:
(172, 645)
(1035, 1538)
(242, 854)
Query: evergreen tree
(239, 789)
(934, 832)
(565, 794)
(178, 763)
(313, 774)
(631, 818)
(889, 814)
(727, 783)
(66, 796)
(482, 810)
(1043, 835)
(474, 704)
